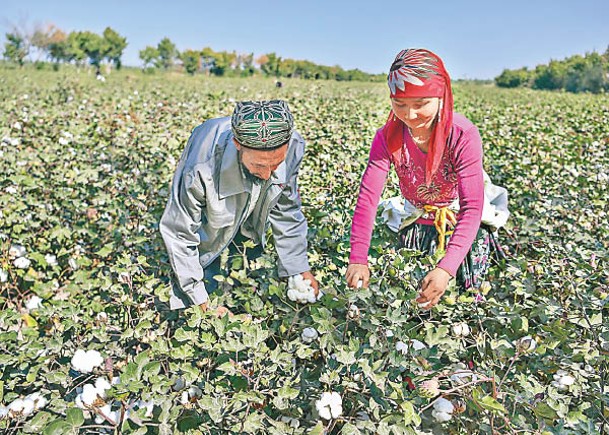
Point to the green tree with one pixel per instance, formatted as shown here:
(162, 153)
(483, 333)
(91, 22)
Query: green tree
(191, 60)
(114, 44)
(271, 64)
(513, 78)
(149, 56)
(167, 53)
(15, 48)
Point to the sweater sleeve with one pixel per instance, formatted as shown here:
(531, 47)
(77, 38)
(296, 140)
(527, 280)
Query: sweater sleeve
(467, 160)
(371, 187)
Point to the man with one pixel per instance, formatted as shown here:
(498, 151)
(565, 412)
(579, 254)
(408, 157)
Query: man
(237, 176)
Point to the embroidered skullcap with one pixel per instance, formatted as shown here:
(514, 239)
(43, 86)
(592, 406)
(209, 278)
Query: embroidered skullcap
(420, 73)
(262, 124)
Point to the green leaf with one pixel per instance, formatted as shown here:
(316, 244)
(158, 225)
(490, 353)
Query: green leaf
(544, 411)
(75, 417)
(59, 427)
(491, 404)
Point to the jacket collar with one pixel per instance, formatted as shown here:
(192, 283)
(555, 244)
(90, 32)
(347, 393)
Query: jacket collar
(232, 180)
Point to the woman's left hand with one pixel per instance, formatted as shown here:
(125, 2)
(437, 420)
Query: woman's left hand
(433, 287)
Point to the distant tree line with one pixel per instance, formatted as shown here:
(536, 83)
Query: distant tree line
(79, 47)
(223, 63)
(588, 73)
(84, 47)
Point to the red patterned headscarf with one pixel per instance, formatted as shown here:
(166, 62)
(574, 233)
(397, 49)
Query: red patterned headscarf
(419, 73)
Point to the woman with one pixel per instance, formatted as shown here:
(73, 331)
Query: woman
(438, 158)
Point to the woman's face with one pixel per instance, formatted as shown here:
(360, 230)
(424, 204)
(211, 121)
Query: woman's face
(416, 113)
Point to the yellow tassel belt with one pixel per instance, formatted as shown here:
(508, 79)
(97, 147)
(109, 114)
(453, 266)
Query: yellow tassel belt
(444, 217)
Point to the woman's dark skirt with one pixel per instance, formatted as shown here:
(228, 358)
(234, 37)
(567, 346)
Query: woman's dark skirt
(473, 269)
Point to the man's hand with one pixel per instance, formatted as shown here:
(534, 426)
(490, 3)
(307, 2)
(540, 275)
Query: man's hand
(308, 275)
(356, 273)
(220, 311)
(433, 287)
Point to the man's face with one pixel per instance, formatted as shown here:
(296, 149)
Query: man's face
(261, 163)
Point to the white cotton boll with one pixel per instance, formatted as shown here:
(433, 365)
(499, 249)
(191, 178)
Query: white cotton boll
(3, 275)
(3, 412)
(17, 125)
(309, 335)
(443, 405)
(39, 400)
(85, 362)
(79, 403)
(51, 259)
(102, 385)
(441, 417)
(417, 345)
(89, 394)
(423, 304)
(28, 406)
(12, 190)
(194, 392)
(184, 399)
(329, 406)
(401, 347)
(73, 264)
(354, 312)
(17, 251)
(16, 406)
(22, 263)
(33, 303)
(301, 291)
(388, 333)
(461, 329)
(112, 416)
(179, 384)
(563, 380)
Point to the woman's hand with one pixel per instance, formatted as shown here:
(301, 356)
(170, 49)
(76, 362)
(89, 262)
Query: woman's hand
(433, 287)
(356, 273)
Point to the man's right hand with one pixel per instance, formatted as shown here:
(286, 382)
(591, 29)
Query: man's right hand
(356, 273)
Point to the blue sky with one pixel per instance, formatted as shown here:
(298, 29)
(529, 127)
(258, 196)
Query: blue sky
(476, 39)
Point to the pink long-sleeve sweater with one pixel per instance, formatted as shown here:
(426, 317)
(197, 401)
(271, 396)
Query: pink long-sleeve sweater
(460, 175)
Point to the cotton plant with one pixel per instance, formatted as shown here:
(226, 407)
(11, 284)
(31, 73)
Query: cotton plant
(329, 406)
(86, 361)
(300, 290)
(309, 335)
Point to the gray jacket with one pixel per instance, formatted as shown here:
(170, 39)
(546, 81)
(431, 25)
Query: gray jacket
(209, 201)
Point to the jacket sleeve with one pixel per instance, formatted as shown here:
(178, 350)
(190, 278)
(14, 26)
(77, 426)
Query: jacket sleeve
(180, 227)
(289, 224)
